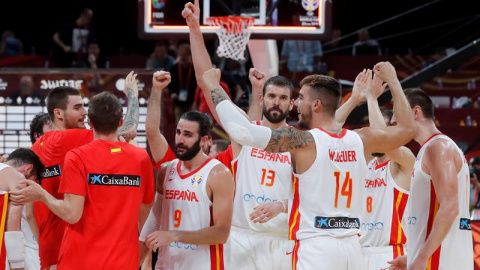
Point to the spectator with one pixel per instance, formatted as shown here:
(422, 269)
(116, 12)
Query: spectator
(365, 45)
(72, 40)
(301, 55)
(337, 44)
(183, 85)
(159, 59)
(26, 94)
(10, 45)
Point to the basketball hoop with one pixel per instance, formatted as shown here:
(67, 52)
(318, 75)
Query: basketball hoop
(234, 33)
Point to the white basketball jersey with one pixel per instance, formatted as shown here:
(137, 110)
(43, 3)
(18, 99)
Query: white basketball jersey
(456, 250)
(385, 206)
(186, 207)
(260, 177)
(329, 197)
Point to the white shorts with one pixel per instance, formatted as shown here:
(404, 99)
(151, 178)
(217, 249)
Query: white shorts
(327, 253)
(32, 260)
(246, 249)
(376, 258)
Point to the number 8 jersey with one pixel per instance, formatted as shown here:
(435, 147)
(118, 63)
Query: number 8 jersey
(187, 207)
(328, 198)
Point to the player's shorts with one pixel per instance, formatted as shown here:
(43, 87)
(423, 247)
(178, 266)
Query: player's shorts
(246, 249)
(32, 260)
(327, 253)
(376, 258)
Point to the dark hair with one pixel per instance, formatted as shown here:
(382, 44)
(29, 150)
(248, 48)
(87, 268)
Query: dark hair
(105, 112)
(279, 81)
(221, 144)
(36, 126)
(417, 97)
(388, 114)
(23, 156)
(204, 123)
(325, 88)
(58, 98)
(475, 161)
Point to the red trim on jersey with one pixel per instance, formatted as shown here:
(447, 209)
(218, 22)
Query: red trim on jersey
(398, 251)
(216, 251)
(344, 131)
(258, 123)
(3, 220)
(234, 172)
(431, 137)
(433, 261)
(397, 235)
(193, 172)
(382, 165)
(295, 255)
(294, 220)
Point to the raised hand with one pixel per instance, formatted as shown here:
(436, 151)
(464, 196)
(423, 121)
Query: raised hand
(131, 84)
(211, 78)
(386, 72)
(160, 80)
(360, 85)
(375, 87)
(257, 78)
(191, 13)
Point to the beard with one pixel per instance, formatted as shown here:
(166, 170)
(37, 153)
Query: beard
(275, 119)
(378, 154)
(190, 152)
(306, 120)
(70, 123)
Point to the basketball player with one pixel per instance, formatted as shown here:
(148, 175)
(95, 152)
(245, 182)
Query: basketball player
(191, 216)
(98, 178)
(329, 165)
(439, 233)
(67, 113)
(387, 183)
(21, 163)
(260, 176)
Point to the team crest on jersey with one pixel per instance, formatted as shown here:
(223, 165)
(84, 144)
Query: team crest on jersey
(196, 180)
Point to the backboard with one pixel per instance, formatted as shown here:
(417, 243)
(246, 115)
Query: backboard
(274, 19)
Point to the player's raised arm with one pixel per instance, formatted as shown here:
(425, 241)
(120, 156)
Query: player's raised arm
(392, 137)
(157, 142)
(257, 79)
(358, 96)
(128, 130)
(287, 139)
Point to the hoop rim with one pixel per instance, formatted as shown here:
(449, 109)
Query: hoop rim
(224, 19)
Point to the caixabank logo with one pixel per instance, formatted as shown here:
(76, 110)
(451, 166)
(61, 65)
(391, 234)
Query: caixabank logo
(98, 179)
(336, 223)
(465, 224)
(52, 171)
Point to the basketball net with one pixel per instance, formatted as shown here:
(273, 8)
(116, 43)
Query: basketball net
(233, 34)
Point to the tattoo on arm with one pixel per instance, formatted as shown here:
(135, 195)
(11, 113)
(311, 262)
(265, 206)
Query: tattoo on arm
(218, 95)
(289, 138)
(130, 123)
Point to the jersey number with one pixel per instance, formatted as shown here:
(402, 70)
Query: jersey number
(268, 177)
(177, 218)
(346, 188)
(369, 204)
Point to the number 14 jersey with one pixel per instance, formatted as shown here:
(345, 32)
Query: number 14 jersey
(328, 198)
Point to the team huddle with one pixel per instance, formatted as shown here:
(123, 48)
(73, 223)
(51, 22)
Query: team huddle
(320, 197)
